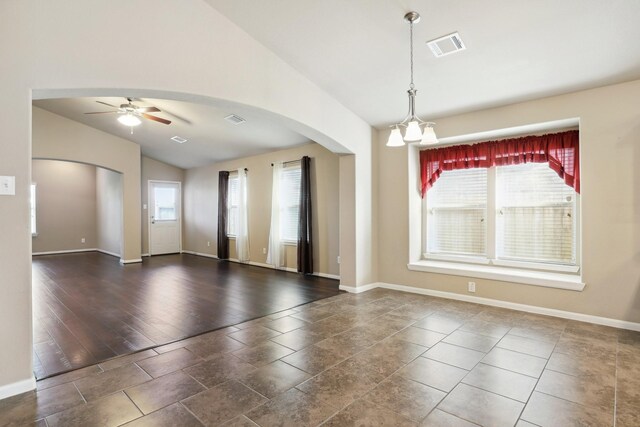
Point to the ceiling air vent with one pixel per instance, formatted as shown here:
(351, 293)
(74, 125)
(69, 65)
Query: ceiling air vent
(178, 139)
(446, 45)
(236, 120)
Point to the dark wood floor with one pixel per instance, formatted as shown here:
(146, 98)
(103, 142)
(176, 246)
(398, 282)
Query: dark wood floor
(89, 308)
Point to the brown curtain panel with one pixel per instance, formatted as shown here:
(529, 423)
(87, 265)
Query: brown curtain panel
(305, 235)
(223, 196)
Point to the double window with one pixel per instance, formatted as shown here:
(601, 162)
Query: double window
(517, 215)
(511, 203)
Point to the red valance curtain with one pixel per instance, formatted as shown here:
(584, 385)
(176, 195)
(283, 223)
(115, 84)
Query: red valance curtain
(560, 150)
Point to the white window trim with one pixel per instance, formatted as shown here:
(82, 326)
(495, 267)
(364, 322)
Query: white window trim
(504, 274)
(498, 269)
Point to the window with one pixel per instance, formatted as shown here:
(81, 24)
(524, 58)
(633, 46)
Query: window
(165, 203)
(536, 212)
(32, 206)
(232, 205)
(457, 208)
(504, 215)
(289, 203)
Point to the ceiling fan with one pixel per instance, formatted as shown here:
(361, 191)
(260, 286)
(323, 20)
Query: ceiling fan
(130, 113)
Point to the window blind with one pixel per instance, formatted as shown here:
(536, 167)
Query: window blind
(457, 208)
(289, 202)
(535, 215)
(232, 205)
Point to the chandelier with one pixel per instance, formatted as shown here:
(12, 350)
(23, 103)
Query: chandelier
(413, 124)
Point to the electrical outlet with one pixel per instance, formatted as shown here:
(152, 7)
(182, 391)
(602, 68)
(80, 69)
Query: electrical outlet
(82, 240)
(472, 286)
(338, 259)
(264, 250)
(208, 243)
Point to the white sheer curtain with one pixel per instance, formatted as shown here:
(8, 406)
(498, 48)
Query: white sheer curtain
(276, 246)
(242, 232)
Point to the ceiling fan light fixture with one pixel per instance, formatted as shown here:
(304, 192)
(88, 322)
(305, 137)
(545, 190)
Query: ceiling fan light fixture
(412, 122)
(129, 120)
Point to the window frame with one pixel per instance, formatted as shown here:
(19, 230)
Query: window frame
(459, 269)
(491, 257)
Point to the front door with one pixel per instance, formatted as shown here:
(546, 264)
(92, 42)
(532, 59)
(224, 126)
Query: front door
(164, 217)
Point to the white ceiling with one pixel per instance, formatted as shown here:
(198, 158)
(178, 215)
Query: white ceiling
(358, 52)
(210, 138)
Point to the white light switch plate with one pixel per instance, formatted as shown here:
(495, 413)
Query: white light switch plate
(7, 185)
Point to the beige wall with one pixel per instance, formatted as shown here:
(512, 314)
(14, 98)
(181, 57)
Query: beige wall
(610, 203)
(201, 205)
(154, 170)
(55, 137)
(109, 193)
(65, 205)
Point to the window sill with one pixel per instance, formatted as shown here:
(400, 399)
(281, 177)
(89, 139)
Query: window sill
(547, 279)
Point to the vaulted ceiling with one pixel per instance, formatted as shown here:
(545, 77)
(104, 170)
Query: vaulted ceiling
(358, 52)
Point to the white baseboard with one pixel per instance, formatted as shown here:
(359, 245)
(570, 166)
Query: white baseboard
(130, 261)
(144, 255)
(327, 275)
(68, 251)
(359, 289)
(17, 388)
(260, 264)
(606, 321)
(200, 254)
(108, 253)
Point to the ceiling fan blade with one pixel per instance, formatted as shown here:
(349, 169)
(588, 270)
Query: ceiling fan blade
(156, 119)
(148, 109)
(110, 105)
(102, 112)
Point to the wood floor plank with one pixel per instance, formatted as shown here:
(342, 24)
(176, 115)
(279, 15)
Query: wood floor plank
(89, 308)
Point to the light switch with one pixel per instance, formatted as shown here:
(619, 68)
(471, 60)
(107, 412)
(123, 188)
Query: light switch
(7, 185)
(144, 206)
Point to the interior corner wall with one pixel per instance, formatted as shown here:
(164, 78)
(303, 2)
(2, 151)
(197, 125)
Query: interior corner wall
(65, 206)
(109, 194)
(56, 137)
(156, 170)
(610, 203)
(201, 205)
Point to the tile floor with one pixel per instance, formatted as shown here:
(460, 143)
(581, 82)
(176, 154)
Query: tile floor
(377, 358)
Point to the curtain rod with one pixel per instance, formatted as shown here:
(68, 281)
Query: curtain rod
(290, 161)
(236, 170)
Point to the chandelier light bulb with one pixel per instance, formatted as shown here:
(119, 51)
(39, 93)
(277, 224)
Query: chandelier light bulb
(413, 133)
(429, 135)
(129, 120)
(395, 138)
